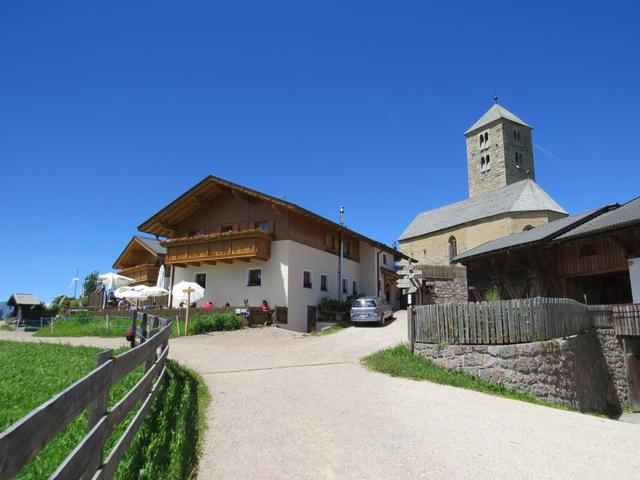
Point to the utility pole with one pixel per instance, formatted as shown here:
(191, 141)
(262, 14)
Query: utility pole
(75, 286)
(341, 254)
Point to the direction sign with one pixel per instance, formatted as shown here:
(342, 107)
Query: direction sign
(404, 271)
(412, 290)
(403, 283)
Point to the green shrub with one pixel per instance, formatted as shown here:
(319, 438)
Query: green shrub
(493, 294)
(215, 323)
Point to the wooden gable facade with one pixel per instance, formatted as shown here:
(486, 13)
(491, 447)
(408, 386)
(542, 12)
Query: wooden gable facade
(218, 221)
(593, 269)
(140, 261)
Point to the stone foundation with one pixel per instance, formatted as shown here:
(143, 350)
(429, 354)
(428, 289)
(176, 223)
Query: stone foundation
(613, 353)
(575, 371)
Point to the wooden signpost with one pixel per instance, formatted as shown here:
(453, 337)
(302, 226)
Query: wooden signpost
(188, 291)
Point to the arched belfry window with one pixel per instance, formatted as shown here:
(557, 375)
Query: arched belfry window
(453, 248)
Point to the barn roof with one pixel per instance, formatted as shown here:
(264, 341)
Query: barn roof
(523, 196)
(23, 299)
(626, 215)
(547, 231)
(496, 112)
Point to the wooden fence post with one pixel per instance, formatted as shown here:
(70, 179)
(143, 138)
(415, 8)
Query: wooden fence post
(411, 322)
(144, 330)
(134, 327)
(96, 411)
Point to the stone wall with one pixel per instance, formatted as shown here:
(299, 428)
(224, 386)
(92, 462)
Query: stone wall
(613, 354)
(572, 371)
(453, 290)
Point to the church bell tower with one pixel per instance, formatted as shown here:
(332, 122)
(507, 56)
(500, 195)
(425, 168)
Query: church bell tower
(499, 151)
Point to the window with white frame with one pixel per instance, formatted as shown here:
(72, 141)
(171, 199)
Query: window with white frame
(345, 286)
(384, 258)
(201, 279)
(324, 283)
(254, 277)
(354, 287)
(307, 281)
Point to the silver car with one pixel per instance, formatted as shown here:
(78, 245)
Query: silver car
(370, 309)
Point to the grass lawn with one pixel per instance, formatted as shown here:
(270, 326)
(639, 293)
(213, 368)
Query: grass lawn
(118, 326)
(168, 442)
(400, 362)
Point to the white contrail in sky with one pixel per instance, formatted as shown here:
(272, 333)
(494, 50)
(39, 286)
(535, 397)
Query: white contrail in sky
(546, 152)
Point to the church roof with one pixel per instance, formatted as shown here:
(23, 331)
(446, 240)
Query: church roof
(494, 113)
(522, 196)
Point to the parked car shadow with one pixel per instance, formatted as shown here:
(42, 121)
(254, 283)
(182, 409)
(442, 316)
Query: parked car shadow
(374, 324)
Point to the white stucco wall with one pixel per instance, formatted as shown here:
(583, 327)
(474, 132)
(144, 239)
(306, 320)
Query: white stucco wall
(634, 274)
(228, 282)
(282, 279)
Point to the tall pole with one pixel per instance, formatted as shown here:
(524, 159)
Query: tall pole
(188, 291)
(340, 289)
(75, 286)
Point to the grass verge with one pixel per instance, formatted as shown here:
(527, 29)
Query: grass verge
(400, 362)
(338, 327)
(170, 436)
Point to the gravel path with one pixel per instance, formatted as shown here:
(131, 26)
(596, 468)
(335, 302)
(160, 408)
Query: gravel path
(291, 406)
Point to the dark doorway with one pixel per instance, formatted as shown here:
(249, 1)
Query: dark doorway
(311, 318)
(610, 288)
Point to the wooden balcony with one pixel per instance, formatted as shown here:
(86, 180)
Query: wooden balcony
(146, 273)
(243, 246)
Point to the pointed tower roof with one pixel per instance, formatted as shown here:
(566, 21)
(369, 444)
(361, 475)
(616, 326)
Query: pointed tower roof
(494, 113)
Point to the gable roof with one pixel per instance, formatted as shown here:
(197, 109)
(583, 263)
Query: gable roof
(23, 299)
(496, 112)
(204, 192)
(150, 244)
(626, 215)
(547, 231)
(523, 196)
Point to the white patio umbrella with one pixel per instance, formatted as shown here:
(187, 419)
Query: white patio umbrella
(154, 291)
(160, 281)
(187, 292)
(131, 293)
(112, 280)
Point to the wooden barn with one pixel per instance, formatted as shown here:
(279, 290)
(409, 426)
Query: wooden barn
(585, 257)
(25, 306)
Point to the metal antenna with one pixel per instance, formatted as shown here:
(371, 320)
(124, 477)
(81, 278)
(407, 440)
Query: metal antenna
(495, 96)
(342, 216)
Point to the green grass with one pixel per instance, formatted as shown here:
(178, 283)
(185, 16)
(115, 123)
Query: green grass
(6, 327)
(400, 362)
(338, 327)
(32, 373)
(97, 327)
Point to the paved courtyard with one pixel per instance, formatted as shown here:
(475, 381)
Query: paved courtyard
(293, 406)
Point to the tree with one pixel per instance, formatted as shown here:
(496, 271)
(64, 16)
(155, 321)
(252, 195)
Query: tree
(90, 284)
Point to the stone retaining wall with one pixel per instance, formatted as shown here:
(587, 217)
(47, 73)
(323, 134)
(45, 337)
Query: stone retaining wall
(613, 353)
(573, 371)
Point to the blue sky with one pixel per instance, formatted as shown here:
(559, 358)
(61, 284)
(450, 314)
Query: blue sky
(109, 110)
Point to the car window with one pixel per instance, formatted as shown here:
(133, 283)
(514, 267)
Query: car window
(364, 302)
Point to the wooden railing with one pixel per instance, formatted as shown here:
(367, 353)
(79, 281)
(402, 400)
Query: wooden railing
(601, 316)
(238, 246)
(26, 438)
(145, 273)
(501, 322)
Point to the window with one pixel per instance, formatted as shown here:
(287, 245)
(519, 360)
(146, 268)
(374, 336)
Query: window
(354, 288)
(516, 135)
(482, 165)
(453, 248)
(484, 140)
(364, 303)
(264, 226)
(306, 279)
(200, 279)
(485, 164)
(324, 283)
(518, 159)
(254, 277)
(347, 248)
(330, 242)
(345, 286)
(226, 228)
(384, 258)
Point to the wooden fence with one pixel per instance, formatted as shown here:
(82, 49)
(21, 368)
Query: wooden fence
(601, 316)
(255, 313)
(626, 320)
(22, 441)
(501, 322)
